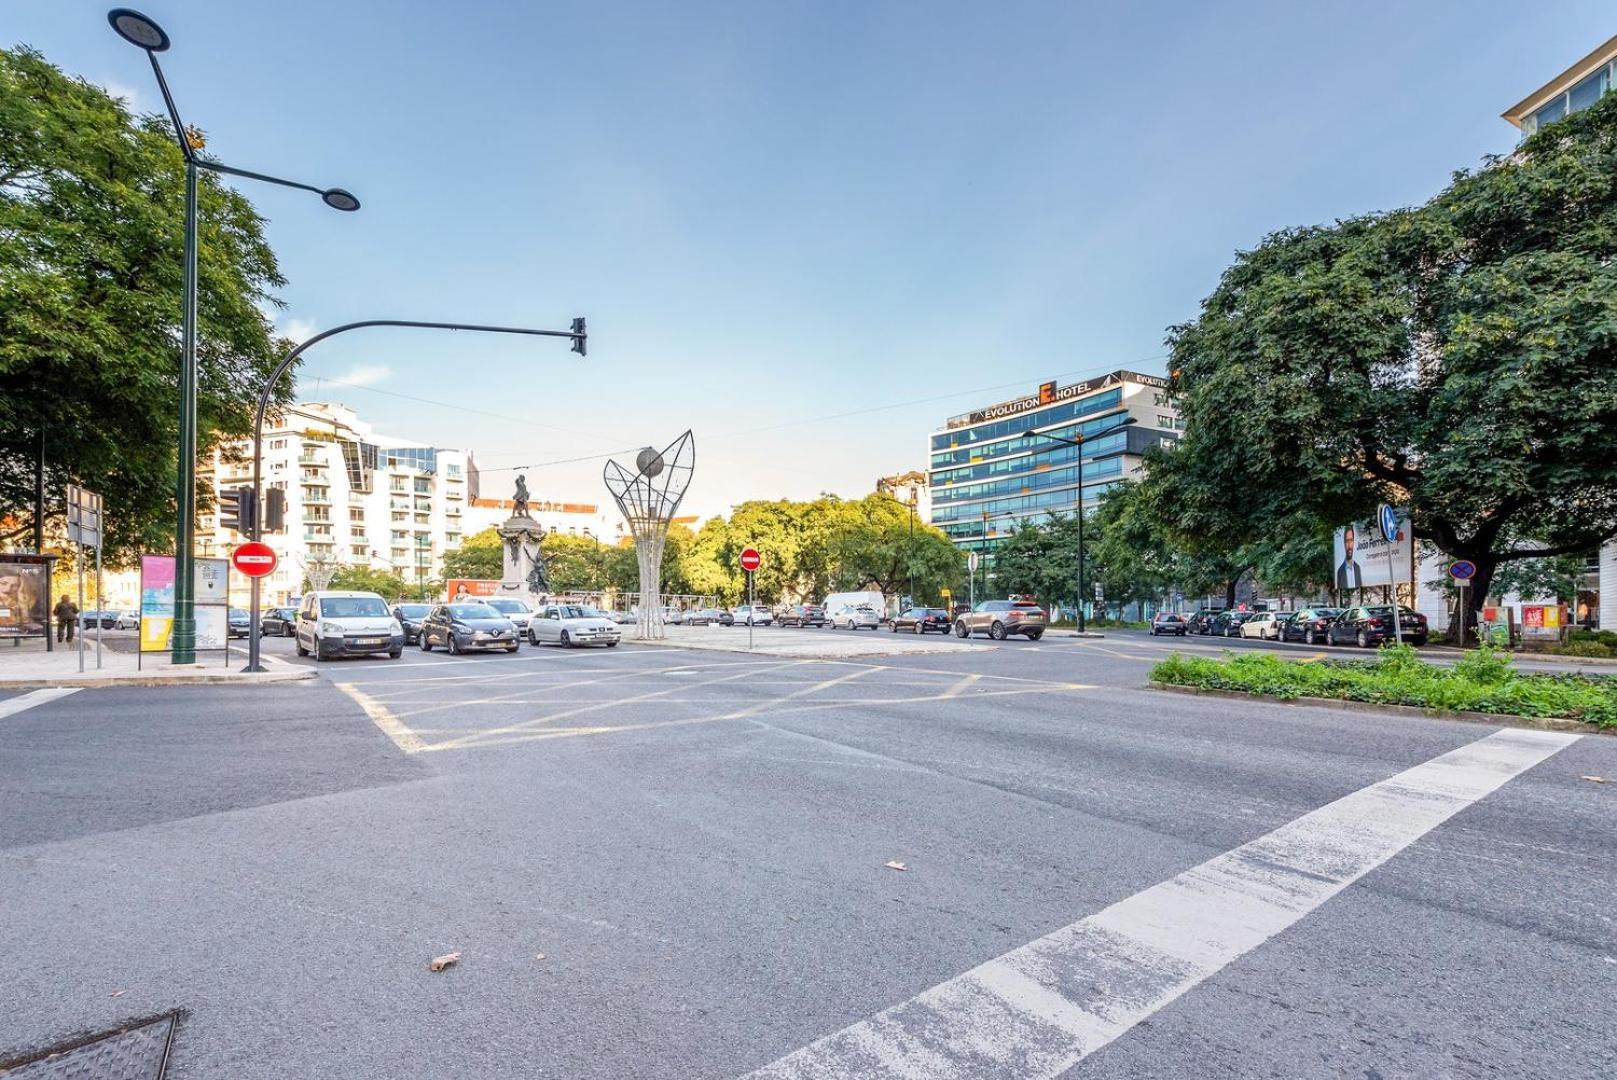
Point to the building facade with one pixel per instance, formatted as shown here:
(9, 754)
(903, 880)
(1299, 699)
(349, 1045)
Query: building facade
(985, 474)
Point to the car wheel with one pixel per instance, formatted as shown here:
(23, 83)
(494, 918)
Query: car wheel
(997, 631)
(301, 650)
(894, 627)
(1034, 635)
(424, 641)
(394, 654)
(1308, 638)
(514, 646)
(960, 631)
(566, 641)
(1364, 642)
(533, 639)
(611, 644)
(919, 630)
(452, 644)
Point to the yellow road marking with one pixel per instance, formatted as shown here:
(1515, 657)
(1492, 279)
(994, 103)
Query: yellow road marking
(390, 725)
(963, 684)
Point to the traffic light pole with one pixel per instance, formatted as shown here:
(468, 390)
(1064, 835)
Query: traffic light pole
(579, 333)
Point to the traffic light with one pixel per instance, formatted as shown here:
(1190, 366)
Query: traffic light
(274, 509)
(236, 507)
(580, 336)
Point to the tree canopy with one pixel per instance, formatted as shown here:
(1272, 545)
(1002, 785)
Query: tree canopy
(1458, 359)
(91, 265)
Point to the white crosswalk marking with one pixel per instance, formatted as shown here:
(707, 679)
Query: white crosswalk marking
(1038, 1010)
(24, 702)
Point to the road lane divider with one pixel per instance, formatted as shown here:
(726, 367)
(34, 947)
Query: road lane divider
(1038, 1010)
(390, 725)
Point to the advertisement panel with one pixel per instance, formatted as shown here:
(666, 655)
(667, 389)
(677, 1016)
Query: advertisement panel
(460, 588)
(156, 602)
(211, 581)
(1359, 558)
(24, 589)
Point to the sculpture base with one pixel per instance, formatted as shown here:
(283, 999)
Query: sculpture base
(523, 576)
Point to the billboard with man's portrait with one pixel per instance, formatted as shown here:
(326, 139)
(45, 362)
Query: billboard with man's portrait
(24, 599)
(1359, 555)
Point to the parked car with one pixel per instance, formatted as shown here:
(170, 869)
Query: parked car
(343, 623)
(1367, 627)
(127, 620)
(107, 620)
(467, 624)
(753, 615)
(871, 598)
(1000, 619)
(801, 615)
(855, 617)
(516, 610)
(709, 617)
(410, 617)
(568, 625)
(1262, 625)
(1169, 622)
(623, 617)
(1309, 625)
(238, 622)
(919, 620)
(1228, 623)
(1202, 621)
(281, 621)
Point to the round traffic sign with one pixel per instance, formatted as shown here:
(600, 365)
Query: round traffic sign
(253, 559)
(1462, 569)
(751, 560)
(1389, 523)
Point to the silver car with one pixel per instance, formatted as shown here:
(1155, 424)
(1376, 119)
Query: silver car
(516, 610)
(859, 617)
(572, 624)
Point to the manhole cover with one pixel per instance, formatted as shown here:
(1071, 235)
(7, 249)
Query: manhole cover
(135, 1052)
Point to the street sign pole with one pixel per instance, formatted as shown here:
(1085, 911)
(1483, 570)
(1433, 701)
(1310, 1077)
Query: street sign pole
(750, 612)
(100, 607)
(79, 618)
(1389, 533)
(750, 561)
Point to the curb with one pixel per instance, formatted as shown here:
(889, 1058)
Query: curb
(1541, 723)
(90, 682)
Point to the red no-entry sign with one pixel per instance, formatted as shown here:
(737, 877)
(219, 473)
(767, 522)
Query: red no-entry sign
(751, 560)
(254, 559)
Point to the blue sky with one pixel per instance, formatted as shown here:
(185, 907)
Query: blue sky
(774, 212)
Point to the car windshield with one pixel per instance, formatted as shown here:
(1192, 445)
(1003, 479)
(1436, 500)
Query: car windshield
(235, 613)
(1386, 609)
(473, 611)
(413, 611)
(509, 606)
(581, 611)
(352, 607)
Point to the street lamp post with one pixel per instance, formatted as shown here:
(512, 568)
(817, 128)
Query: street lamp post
(145, 34)
(422, 541)
(1079, 443)
(911, 553)
(579, 335)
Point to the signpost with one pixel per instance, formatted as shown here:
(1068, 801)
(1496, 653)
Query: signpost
(84, 529)
(254, 559)
(972, 559)
(1388, 520)
(1462, 571)
(750, 561)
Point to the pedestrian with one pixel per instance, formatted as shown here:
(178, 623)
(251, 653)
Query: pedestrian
(67, 618)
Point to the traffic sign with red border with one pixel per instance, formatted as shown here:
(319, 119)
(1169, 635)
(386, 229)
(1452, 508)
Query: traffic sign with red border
(254, 559)
(751, 560)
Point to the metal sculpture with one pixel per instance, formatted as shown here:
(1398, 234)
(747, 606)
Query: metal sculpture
(649, 498)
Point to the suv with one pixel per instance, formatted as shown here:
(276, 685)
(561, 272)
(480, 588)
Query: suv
(753, 615)
(332, 624)
(1168, 622)
(1202, 621)
(999, 619)
(516, 610)
(801, 615)
(856, 617)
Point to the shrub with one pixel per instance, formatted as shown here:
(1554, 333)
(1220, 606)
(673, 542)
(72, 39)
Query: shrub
(1482, 681)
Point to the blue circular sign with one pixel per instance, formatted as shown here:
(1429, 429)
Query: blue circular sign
(1389, 523)
(1462, 570)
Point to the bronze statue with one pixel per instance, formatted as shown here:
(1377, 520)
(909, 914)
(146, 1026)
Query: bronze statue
(520, 503)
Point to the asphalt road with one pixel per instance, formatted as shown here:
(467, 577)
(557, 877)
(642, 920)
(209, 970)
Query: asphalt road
(1099, 880)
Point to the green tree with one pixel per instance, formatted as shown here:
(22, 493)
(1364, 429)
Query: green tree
(91, 215)
(1459, 359)
(480, 557)
(390, 585)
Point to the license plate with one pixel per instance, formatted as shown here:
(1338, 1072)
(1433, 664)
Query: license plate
(372, 641)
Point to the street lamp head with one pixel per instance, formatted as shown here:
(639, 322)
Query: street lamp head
(338, 199)
(1030, 434)
(137, 29)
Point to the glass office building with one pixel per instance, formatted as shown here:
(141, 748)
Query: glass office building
(986, 475)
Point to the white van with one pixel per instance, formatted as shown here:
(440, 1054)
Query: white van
(336, 623)
(870, 599)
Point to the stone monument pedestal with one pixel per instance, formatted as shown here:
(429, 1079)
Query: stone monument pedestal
(524, 576)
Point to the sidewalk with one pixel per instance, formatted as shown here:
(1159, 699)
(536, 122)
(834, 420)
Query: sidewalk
(26, 665)
(821, 644)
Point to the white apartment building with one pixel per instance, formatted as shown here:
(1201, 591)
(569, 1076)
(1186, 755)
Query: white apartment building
(353, 497)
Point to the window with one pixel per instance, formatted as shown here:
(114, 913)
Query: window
(1164, 421)
(277, 444)
(355, 514)
(1550, 113)
(1587, 92)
